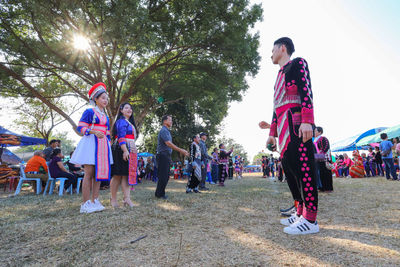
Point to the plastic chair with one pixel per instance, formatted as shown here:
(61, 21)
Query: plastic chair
(78, 184)
(52, 182)
(22, 179)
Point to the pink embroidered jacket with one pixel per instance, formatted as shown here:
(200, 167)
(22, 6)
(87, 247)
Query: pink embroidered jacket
(292, 89)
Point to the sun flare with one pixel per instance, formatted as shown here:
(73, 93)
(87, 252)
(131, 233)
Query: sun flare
(80, 42)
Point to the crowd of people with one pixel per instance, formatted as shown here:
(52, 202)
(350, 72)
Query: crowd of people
(306, 163)
(378, 161)
(272, 167)
(100, 160)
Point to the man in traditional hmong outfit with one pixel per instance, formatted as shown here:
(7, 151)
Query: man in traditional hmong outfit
(204, 159)
(292, 123)
(195, 165)
(223, 164)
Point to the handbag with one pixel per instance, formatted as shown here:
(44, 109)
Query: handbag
(386, 153)
(319, 157)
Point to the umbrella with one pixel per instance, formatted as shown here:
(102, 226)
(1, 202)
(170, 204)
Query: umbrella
(10, 158)
(392, 132)
(145, 154)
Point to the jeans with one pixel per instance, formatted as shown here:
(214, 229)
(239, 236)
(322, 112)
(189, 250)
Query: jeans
(389, 168)
(372, 167)
(214, 173)
(379, 169)
(345, 171)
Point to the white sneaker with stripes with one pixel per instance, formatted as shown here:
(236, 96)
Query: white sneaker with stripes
(302, 227)
(292, 219)
(97, 206)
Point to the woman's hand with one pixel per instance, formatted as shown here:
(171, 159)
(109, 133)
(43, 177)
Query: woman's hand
(264, 125)
(99, 134)
(125, 156)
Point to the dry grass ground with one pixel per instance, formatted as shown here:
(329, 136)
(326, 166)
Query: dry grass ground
(237, 225)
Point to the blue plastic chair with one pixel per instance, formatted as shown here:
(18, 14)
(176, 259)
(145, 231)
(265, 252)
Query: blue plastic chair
(78, 184)
(52, 182)
(22, 179)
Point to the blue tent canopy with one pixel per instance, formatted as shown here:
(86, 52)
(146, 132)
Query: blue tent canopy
(8, 138)
(349, 144)
(391, 132)
(10, 158)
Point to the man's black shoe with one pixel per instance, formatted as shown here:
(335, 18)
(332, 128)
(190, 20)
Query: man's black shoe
(289, 212)
(163, 197)
(196, 191)
(286, 210)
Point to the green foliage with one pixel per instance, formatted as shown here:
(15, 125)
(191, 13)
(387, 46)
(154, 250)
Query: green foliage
(192, 53)
(257, 158)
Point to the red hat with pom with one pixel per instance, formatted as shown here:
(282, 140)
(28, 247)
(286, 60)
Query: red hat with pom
(96, 90)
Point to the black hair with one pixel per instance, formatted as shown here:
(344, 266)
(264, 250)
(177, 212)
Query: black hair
(383, 136)
(194, 137)
(53, 141)
(377, 148)
(96, 97)
(120, 115)
(216, 148)
(319, 129)
(55, 152)
(220, 145)
(164, 118)
(287, 42)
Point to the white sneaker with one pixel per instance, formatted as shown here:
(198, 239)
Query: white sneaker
(97, 205)
(292, 219)
(302, 227)
(87, 207)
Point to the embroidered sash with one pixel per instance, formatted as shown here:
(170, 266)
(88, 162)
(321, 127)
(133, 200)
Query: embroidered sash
(102, 153)
(130, 141)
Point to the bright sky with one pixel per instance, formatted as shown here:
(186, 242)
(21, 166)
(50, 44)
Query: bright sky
(352, 48)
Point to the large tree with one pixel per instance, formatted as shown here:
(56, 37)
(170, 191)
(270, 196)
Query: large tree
(150, 53)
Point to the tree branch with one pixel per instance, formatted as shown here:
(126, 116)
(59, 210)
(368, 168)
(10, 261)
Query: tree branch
(38, 95)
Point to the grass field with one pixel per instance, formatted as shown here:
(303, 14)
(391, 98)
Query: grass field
(237, 225)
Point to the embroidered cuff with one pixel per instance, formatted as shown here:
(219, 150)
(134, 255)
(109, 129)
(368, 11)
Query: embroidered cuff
(121, 141)
(307, 115)
(86, 131)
